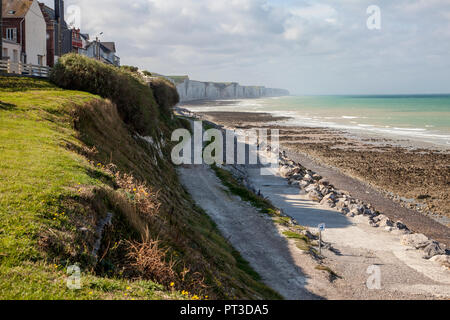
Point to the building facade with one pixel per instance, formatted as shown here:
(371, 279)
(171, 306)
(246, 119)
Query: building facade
(103, 51)
(24, 27)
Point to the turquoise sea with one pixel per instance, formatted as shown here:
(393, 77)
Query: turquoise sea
(417, 117)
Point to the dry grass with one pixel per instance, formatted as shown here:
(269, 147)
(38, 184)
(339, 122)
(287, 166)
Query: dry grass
(149, 261)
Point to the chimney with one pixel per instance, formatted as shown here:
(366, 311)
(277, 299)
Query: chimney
(61, 8)
(57, 9)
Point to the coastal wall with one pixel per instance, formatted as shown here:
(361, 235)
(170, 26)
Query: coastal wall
(191, 90)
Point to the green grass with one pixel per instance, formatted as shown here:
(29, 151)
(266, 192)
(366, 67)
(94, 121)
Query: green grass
(295, 235)
(333, 275)
(36, 173)
(44, 179)
(246, 195)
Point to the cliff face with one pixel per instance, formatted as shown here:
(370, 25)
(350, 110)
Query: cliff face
(190, 90)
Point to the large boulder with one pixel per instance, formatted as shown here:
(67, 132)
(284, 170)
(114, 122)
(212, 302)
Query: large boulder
(329, 200)
(315, 195)
(416, 240)
(433, 249)
(401, 226)
(342, 204)
(383, 221)
(284, 171)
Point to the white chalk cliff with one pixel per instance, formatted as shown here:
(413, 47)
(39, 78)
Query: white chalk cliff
(190, 90)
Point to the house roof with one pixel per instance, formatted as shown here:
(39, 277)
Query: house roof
(50, 13)
(16, 8)
(111, 46)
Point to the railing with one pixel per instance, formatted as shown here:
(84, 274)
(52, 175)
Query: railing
(24, 69)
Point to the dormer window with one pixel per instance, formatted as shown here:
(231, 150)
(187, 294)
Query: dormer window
(11, 12)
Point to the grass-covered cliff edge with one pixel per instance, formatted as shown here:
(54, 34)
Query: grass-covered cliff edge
(86, 179)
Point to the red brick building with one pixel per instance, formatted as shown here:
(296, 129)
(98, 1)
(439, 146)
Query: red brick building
(51, 25)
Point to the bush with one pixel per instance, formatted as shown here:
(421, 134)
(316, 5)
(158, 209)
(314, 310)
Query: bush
(166, 95)
(130, 68)
(134, 99)
(147, 73)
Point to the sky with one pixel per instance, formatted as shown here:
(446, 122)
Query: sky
(307, 47)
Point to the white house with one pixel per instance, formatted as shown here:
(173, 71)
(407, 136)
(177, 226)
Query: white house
(24, 27)
(103, 51)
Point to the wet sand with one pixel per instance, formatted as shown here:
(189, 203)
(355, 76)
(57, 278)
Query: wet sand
(408, 184)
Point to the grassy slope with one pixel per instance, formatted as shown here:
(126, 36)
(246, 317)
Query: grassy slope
(53, 144)
(36, 171)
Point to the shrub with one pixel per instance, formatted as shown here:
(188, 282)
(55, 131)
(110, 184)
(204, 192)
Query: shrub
(165, 93)
(130, 68)
(134, 99)
(148, 261)
(147, 73)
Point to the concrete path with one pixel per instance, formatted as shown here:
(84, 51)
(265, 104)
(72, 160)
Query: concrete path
(404, 274)
(250, 232)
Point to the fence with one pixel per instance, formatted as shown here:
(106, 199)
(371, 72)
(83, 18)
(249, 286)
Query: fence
(24, 69)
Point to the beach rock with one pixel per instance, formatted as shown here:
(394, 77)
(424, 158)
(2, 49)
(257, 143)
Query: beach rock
(325, 189)
(317, 177)
(384, 221)
(442, 260)
(330, 196)
(344, 211)
(416, 240)
(315, 195)
(433, 249)
(308, 177)
(373, 224)
(312, 187)
(356, 209)
(401, 226)
(295, 183)
(341, 204)
(355, 212)
(350, 214)
(284, 171)
(329, 200)
(303, 184)
(324, 182)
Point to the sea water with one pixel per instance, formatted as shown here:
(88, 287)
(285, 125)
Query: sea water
(423, 118)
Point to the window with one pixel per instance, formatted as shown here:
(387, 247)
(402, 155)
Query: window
(40, 60)
(11, 34)
(5, 52)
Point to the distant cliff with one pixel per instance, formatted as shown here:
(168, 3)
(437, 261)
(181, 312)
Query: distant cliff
(190, 90)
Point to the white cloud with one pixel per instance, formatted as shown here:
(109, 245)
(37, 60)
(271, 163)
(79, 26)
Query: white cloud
(305, 46)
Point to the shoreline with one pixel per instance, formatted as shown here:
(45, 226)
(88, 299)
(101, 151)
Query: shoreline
(356, 236)
(411, 138)
(349, 163)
